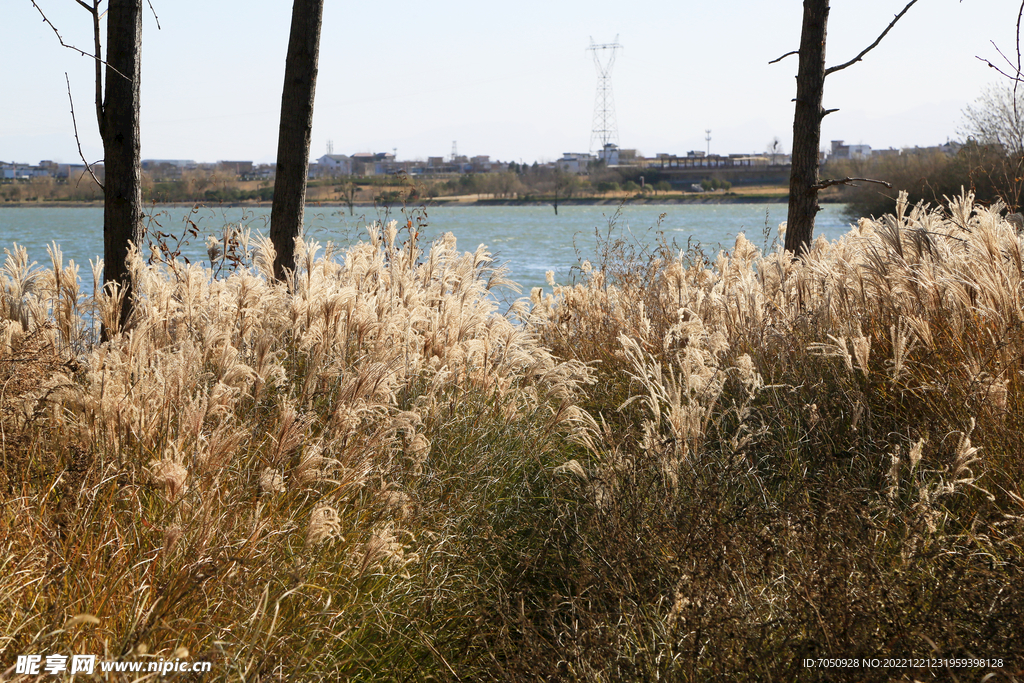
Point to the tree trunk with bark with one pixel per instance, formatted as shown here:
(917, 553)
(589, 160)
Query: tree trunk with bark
(119, 128)
(810, 86)
(295, 128)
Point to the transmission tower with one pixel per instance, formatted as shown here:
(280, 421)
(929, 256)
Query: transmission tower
(330, 146)
(605, 130)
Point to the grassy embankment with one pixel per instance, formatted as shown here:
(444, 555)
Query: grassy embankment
(675, 469)
(366, 191)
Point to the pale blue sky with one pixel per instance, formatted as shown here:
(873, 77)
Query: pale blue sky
(512, 80)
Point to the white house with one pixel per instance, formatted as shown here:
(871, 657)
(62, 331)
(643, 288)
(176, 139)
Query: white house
(574, 162)
(334, 164)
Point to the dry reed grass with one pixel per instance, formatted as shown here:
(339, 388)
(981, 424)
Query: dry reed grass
(245, 454)
(371, 474)
(811, 458)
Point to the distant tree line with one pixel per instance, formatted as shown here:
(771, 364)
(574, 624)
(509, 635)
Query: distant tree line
(990, 162)
(983, 169)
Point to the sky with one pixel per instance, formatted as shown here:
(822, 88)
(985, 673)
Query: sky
(511, 80)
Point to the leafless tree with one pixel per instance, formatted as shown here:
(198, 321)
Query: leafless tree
(117, 114)
(997, 118)
(295, 128)
(805, 182)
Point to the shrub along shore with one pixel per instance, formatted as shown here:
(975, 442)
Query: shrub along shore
(679, 467)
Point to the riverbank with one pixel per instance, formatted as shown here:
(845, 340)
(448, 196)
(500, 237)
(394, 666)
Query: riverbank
(476, 200)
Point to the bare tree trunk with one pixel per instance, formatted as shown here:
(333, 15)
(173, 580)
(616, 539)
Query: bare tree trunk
(810, 86)
(295, 128)
(122, 187)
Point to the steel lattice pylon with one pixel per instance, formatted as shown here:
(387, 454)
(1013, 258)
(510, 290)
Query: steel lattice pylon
(605, 130)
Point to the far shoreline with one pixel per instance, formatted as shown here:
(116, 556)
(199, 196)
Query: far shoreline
(452, 201)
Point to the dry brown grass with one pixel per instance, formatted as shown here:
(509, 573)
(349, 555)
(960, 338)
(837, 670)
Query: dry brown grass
(680, 468)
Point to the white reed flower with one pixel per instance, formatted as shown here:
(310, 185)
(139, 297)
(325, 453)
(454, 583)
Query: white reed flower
(170, 475)
(172, 534)
(324, 525)
(572, 467)
(748, 374)
(862, 352)
(419, 448)
(384, 546)
(271, 481)
(915, 453)
(894, 474)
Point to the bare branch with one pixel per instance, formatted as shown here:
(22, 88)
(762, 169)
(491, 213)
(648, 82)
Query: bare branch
(794, 52)
(1019, 77)
(873, 45)
(77, 140)
(847, 181)
(72, 47)
(57, 33)
(154, 15)
(1005, 58)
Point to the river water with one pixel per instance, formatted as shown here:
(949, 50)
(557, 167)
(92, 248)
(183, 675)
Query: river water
(530, 239)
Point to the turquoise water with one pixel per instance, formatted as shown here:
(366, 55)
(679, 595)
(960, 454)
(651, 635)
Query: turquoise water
(530, 239)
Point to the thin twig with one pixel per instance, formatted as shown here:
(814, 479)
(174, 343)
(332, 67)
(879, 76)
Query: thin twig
(872, 46)
(1016, 79)
(846, 181)
(77, 141)
(154, 15)
(1006, 59)
(794, 52)
(72, 47)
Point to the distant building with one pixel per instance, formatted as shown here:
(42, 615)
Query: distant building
(334, 165)
(265, 171)
(368, 163)
(891, 152)
(949, 149)
(609, 154)
(574, 162)
(481, 163)
(849, 152)
(16, 171)
(77, 171)
(749, 160)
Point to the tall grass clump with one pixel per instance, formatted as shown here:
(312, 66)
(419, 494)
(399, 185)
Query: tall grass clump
(796, 459)
(681, 467)
(283, 479)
